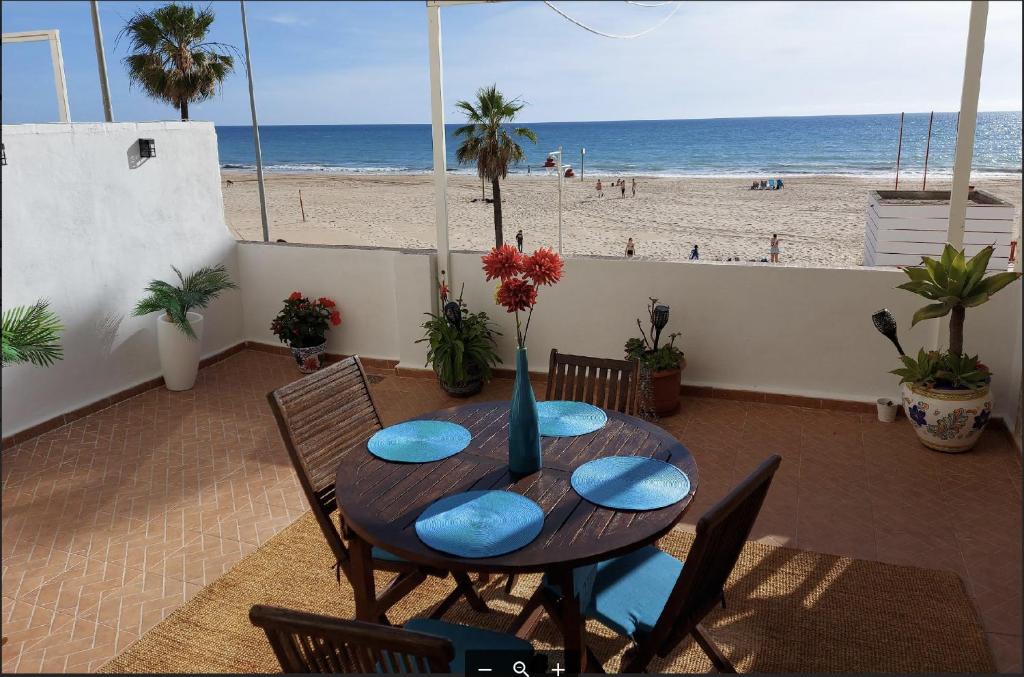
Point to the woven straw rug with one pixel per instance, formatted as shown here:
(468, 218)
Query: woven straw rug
(788, 611)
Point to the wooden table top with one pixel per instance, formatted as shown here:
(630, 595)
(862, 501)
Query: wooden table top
(381, 500)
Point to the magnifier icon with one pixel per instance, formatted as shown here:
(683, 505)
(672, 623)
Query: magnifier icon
(519, 668)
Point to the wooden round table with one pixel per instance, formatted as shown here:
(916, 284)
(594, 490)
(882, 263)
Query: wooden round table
(381, 500)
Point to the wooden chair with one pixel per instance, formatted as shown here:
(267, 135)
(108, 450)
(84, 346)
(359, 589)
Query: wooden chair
(651, 598)
(322, 417)
(309, 643)
(609, 384)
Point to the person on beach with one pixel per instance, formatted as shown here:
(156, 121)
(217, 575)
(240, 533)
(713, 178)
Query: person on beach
(774, 251)
(600, 189)
(622, 185)
(778, 184)
(694, 254)
(630, 248)
(519, 240)
(634, 186)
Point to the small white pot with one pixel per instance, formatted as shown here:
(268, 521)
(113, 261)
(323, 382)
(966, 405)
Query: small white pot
(886, 409)
(947, 420)
(179, 354)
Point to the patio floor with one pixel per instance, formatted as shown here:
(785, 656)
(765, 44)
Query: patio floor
(114, 521)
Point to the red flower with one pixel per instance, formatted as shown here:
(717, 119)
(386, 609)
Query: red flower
(335, 318)
(326, 302)
(516, 294)
(443, 289)
(295, 296)
(502, 263)
(544, 267)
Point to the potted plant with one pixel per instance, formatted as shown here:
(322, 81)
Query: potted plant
(520, 279)
(303, 325)
(31, 334)
(947, 395)
(179, 329)
(462, 348)
(663, 364)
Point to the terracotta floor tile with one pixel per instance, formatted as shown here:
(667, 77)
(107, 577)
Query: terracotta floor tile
(116, 520)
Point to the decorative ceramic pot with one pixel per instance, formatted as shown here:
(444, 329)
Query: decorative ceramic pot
(947, 420)
(524, 423)
(471, 387)
(309, 358)
(179, 353)
(665, 387)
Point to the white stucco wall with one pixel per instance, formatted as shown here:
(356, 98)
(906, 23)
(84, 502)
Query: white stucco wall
(779, 329)
(382, 294)
(87, 224)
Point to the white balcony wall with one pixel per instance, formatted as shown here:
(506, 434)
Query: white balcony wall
(382, 294)
(87, 224)
(799, 331)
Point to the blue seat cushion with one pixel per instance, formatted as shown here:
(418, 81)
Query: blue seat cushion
(467, 638)
(378, 553)
(626, 593)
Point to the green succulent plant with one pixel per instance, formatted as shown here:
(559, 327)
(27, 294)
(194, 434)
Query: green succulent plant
(31, 334)
(955, 284)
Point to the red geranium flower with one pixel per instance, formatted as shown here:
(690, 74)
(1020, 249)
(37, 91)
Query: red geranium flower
(516, 294)
(326, 302)
(443, 289)
(295, 296)
(544, 267)
(502, 263)
(335, 318)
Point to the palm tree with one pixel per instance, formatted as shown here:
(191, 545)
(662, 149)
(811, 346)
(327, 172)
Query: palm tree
(487, 141)
(171, 59)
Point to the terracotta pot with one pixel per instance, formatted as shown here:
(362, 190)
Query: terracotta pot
(665, 390)
(947, 420)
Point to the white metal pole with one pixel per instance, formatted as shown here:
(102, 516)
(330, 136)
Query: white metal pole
(967, 121)
(438, 138)
(559, 199)
(101, 61)
(255, 129)
(59, 81)
(583, 154)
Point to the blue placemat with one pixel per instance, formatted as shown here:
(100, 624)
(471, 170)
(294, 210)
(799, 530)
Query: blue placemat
(419, 441)
(630, 483)
(559, 418)
(480, 523)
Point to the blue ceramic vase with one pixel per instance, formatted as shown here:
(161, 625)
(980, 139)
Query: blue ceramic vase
(524, 426)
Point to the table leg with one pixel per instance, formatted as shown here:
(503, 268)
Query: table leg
(361, 572)
(574, 625)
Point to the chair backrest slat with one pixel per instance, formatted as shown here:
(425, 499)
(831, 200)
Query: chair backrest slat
(721, 534)
(308, 643)
(322, 417)
(610, 384)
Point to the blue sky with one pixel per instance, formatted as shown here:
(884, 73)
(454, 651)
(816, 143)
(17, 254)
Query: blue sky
(366, 62)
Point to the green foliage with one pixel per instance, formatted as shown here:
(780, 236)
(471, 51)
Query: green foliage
(303, 323)
(954, 281)
(171, 59)
(31, 334)
(666, 357)
(943, 370)
(486, 141)
(464, 353)
(194, 291)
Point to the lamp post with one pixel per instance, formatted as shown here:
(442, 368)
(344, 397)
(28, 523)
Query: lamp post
(558, 166)
(583, 153)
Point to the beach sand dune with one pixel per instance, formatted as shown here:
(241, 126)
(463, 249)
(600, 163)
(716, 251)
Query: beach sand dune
(820, 219)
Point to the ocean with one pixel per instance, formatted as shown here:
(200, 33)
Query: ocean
(859, 145)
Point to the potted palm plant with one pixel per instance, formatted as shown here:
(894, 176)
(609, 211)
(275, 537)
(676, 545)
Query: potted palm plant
(947, 395)
(303, 325)
(31, 334)
(462, 347)
(179, 329)
(662, 364)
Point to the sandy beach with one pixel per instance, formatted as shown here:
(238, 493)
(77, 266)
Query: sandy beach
(820, 219)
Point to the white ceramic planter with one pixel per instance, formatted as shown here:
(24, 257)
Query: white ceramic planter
(179, 354)
(886, 409)
(947, 420)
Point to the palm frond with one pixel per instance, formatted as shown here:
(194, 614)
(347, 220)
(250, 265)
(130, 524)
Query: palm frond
(195, 290)
(31, 334)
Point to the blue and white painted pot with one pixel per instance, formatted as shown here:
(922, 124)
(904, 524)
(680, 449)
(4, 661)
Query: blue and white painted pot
(947, 420)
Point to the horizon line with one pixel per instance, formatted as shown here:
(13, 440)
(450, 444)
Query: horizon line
(552, 122)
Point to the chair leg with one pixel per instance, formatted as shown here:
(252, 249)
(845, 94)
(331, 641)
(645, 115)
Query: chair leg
(526, 621)
(718, 659)
(465, 586)
(510, 583)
